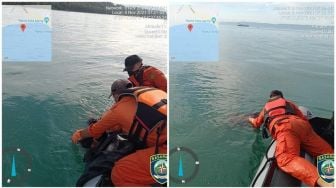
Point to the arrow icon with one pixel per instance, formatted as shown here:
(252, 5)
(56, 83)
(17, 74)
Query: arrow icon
(13, 173)
(180, 171)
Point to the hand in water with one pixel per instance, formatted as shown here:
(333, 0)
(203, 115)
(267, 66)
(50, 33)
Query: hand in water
(77, 136)
(251, 120)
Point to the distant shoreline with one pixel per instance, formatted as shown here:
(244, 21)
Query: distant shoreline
(272, 24)
(99, 8)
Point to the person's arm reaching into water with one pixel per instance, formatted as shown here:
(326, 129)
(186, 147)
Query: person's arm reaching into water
(256, 122)
(106, 123)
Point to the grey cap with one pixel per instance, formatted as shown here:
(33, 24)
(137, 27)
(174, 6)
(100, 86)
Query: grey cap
(120, 85)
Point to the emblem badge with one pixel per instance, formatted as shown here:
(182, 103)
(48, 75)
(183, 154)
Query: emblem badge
(158, 168)
(325, 167)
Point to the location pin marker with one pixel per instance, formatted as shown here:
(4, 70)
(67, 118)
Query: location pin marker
(190, 27)
(23, 27)
(213, 19)
(46, 19)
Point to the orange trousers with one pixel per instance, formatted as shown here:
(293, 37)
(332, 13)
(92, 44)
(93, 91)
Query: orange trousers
(292, 134)
(134, 170)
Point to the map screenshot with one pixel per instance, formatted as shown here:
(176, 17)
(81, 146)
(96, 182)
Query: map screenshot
(26, 33)
(193, 33)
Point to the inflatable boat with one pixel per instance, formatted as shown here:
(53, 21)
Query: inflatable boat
(100, 159)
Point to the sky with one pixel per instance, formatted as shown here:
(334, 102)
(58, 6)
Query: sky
(275, 13)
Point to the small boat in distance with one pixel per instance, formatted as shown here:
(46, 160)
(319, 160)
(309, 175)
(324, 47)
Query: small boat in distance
(243, 25)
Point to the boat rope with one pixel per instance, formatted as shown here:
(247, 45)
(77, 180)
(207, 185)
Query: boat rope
(263, 168)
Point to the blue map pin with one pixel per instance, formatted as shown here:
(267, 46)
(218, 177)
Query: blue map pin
(46, 19)
(213, 19)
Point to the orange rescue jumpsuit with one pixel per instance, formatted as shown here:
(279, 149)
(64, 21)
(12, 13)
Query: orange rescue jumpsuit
(291, 133)
(151, 77)
(134, 169)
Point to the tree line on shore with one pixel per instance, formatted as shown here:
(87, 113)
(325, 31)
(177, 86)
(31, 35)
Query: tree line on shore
(100, 8)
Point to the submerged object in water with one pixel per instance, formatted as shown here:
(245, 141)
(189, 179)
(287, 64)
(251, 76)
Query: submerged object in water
(100, 159)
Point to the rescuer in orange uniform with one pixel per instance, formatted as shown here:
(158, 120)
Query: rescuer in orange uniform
(143, 75)
(127, 115)
(290, 129)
